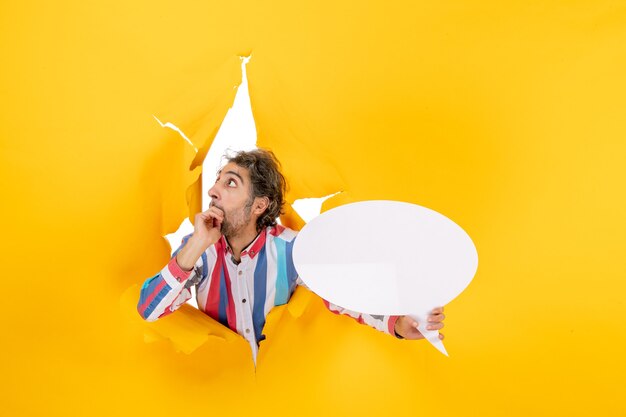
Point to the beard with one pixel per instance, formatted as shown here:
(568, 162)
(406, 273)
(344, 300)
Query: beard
(235, 221)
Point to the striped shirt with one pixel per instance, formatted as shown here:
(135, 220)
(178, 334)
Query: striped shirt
(238, 295)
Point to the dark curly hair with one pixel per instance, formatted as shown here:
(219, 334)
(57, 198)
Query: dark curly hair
(267, 181)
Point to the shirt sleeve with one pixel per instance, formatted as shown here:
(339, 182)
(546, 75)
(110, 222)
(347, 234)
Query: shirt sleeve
(170, 288)
(385, 324)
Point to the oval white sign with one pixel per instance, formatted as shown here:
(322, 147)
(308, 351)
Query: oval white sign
(385, 257)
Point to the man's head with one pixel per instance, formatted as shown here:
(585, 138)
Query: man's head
(249, 188)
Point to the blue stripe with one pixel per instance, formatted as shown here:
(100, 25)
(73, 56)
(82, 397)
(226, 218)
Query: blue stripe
(149, 281)
(205, 267)
(148, 288)
(292, 274)
(260, 287)
(157, 300)
(282, 286)
(223, 299)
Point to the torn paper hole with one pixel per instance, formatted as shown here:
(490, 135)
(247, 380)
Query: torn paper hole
(309, 208)
(238, 132)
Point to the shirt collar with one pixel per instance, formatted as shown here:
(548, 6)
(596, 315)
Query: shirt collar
(251, 250)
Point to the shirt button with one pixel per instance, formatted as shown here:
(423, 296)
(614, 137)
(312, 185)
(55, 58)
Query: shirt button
(243, 301)
(252, 252)
(240, 272)
(247, 330)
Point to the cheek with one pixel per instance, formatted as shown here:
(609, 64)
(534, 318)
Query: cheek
(238, 198)
(233, 203)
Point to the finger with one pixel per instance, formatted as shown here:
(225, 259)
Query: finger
(216, 220)
(201, 218)
(435, 326)
(218, 223)
(437, 310)
(210, 220)
(436, 318)
(441, 336)
(215, 213)
(210, 223)
(217, 210)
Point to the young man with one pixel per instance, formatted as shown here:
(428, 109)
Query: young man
(240, 260)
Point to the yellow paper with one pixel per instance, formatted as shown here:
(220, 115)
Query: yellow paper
(507, 117)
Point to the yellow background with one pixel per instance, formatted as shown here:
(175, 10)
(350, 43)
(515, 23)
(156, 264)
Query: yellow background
(508, 118)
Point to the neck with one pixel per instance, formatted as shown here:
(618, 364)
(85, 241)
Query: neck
(242, 239)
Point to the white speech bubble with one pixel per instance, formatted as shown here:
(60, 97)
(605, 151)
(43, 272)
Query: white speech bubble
(386, 258)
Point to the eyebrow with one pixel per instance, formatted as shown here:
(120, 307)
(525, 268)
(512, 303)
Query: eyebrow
(235, 174)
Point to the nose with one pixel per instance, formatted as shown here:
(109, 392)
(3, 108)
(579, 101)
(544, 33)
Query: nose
(214, 192)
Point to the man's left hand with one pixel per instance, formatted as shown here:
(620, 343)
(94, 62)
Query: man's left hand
(407, 327)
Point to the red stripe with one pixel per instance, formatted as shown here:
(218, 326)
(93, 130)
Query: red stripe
(258, 244)
(166, 312)
(277, 230)
(213, 295)
(156, 291)
(392, 324)
(177, 271)
(230, 310)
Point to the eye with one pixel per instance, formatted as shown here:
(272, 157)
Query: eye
(231, 183)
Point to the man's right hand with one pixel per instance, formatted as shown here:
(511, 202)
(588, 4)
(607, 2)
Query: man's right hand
(208, 225)
(207, 231)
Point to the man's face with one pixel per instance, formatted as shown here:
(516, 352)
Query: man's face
(232, 193)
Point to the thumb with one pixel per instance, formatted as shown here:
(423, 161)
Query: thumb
(410, 322)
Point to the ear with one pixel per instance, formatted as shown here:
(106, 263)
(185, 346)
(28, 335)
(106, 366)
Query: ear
(260, 205)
